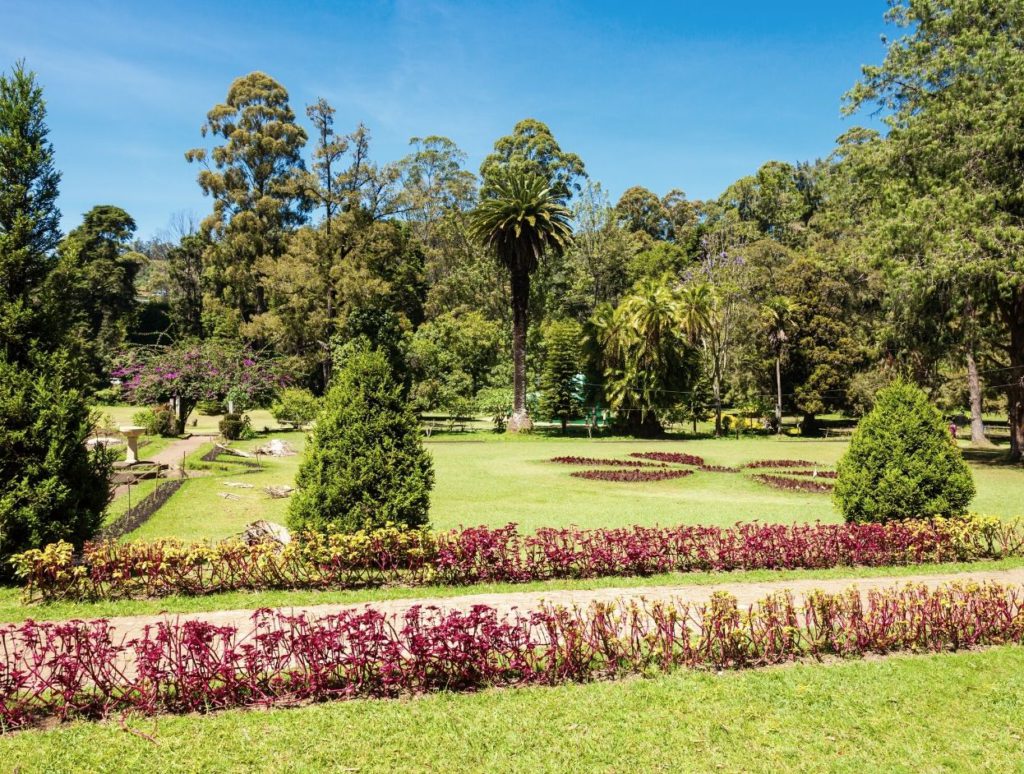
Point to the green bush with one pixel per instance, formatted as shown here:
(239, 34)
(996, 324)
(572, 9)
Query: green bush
(295, 407)
(902, 462)
(365, 465)
(235, 427)
(158, 420)
(210, 408)
(51, 486)
(108, 396)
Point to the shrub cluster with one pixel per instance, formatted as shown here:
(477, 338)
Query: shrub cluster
(81, 670)
(485, 555)
(631, 476)
(718, 469)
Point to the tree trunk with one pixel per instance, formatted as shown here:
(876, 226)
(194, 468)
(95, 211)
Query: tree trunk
(1013, 315)
(809, 426)
(520, 419)
(716, 388)
(974, 388)
(778, 389)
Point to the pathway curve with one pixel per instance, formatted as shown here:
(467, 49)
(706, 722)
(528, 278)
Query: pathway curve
(746, 594)
(172, 455)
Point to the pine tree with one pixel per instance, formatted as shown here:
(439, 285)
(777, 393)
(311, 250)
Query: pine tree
(29, 218)
(560, 397)
(902, 462)
(52, 487)
(365, 465)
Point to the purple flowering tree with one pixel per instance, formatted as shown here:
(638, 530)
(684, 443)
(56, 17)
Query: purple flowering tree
(182, 375)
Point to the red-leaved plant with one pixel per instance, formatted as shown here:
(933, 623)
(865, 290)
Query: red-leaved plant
(83, 670)
(484, 555)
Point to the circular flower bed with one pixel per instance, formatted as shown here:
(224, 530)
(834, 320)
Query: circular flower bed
(631, 476)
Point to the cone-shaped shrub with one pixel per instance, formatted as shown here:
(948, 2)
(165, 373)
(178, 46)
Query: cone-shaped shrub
(52, 487)
(902, 462)
(364, 465)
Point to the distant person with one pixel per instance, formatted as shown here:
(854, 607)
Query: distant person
(953, 429)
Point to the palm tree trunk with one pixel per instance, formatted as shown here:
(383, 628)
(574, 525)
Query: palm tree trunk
(778, 390)
(520, 420)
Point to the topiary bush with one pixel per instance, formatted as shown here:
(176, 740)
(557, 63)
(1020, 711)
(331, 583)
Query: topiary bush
(51, 486)
(235, 426)
(902, 462)
(295, 407)
(365, 465)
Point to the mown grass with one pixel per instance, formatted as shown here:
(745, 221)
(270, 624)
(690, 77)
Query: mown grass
(959, 712)
(12, 609)
(493, 480)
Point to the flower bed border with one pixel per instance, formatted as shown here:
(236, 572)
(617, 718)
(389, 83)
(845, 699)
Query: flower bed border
(71, 670)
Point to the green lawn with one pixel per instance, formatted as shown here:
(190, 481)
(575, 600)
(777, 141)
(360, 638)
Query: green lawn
(197, 511)
(505, 480)
(493, 480)
(952, 712)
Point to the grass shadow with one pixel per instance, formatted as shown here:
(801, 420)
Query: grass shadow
(997, 457)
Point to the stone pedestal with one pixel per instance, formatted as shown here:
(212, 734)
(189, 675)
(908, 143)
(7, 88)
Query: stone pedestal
(131, 435)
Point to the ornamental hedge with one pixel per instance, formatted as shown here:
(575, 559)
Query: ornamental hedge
(902, 462)
(82, 669)
(391, 556)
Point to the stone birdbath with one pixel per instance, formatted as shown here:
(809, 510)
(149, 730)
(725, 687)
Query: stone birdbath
(131, 435)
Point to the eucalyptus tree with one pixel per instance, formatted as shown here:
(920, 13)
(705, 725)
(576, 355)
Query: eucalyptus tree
(520, 220)
(255, 180)
(533, 149)
(776, 315)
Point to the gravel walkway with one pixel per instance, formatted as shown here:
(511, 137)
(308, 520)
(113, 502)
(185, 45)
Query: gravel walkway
(746, 594)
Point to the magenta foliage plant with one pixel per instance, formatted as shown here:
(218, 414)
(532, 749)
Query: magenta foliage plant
(483, 555)
(83, 669)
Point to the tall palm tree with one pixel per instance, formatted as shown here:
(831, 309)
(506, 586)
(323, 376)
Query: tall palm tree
(520, 220)
(776, 317)
(696, 304)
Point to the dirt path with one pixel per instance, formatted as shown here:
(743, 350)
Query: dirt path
(746, 594)
(172, 455)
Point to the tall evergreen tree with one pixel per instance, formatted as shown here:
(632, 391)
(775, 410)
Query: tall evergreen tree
(560, 397)
(255, 180)
(29, 218)
(51, 486)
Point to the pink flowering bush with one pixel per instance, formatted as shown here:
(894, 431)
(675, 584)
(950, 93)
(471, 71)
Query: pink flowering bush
(83, 669)
(391, 556)
(191, 373)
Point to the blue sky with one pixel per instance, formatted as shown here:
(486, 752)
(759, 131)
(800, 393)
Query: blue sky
(688, 94)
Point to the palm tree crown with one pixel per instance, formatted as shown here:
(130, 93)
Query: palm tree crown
(520, 220)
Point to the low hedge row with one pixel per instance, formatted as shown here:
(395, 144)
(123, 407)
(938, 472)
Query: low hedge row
(485, 555)
(81, 670)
